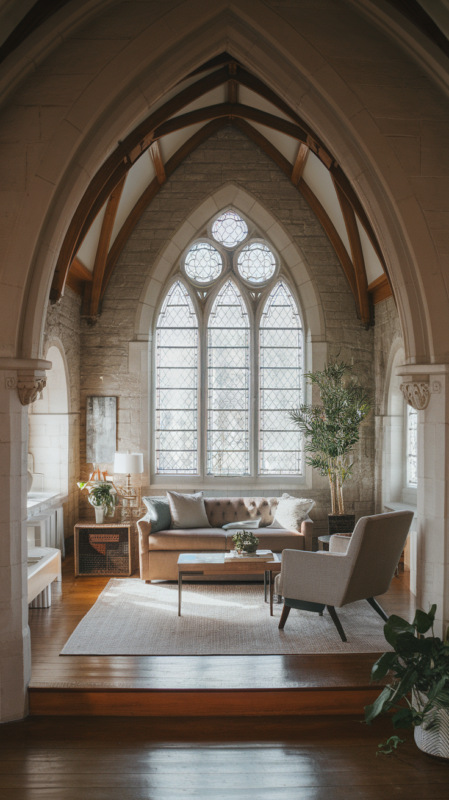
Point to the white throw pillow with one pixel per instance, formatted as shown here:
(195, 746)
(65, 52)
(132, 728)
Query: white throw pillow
(188, 510)
(291, 512)
(247, 524)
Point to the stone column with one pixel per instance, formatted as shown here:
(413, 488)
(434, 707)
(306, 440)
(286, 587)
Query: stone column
(426, 388)
(18, 385)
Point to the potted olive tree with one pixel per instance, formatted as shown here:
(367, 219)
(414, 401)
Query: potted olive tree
(331, 430)
(418, 692)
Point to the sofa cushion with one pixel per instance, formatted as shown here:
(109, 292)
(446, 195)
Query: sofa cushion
(187, 510)
(292, 511)
(188, 539)
(275, 540)
(221, 510)
(158, 513)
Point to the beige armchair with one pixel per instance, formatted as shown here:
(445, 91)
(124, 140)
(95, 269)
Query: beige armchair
(358, 568)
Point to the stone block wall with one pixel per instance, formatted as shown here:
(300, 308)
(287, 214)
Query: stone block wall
(228, 156)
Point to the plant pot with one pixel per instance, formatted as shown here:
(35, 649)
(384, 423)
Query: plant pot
(99, 515)
(341, 523)
(433, 737)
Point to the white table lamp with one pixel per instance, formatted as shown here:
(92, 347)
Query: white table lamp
(129, 464)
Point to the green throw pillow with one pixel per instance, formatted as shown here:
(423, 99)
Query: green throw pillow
(158, 513)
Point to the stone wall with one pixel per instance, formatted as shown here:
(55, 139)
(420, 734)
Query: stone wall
(228, 156)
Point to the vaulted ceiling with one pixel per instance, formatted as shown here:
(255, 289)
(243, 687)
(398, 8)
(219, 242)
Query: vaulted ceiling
(220, 93)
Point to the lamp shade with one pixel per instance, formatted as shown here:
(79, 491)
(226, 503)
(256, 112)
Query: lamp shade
(128, 463)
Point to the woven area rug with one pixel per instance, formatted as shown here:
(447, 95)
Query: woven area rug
(132, 618)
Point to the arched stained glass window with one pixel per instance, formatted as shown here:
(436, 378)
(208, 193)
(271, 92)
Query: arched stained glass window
(177, 384)
(280, 382)
(229, 229)
(228, 340)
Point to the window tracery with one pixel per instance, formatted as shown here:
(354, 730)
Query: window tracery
(229, 229)
(234, 366)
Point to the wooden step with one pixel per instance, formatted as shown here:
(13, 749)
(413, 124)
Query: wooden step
(200, 702)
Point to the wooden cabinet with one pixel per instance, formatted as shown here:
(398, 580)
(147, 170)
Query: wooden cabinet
(107, 549)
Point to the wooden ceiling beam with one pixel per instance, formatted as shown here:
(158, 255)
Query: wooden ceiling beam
(114, 169)
(158, 164)
(75, 284)
(300, 163)
(311, 199)
(379, 289)
(94, 290)
(78, 269)
(358, 260)
(230, 110)
(259, 87)
(150, 192)
(233, 85)
(162, 122)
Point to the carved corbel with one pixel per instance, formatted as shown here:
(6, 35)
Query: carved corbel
(30, 384)
(416, 393)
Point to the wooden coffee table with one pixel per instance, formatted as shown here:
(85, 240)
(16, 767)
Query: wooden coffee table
(215, 564)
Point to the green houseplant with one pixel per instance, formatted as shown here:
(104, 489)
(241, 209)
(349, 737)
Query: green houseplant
(102, 496)
(245, 542)
(332, 429)
(419, 690)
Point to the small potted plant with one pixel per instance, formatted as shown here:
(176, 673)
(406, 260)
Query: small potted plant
(419, 690)
(331, 430)
(102, 495)
(245, 542)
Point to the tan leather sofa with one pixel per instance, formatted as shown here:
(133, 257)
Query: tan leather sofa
(159, 552)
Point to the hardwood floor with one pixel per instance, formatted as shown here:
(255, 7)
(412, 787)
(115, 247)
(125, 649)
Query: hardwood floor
(50, 629)
(306, 758)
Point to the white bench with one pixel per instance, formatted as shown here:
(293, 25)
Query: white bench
(44, 567)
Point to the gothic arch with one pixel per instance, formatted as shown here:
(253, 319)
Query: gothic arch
(100, 116)
(232, 195)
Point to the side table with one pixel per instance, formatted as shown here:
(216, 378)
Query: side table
(106, 549)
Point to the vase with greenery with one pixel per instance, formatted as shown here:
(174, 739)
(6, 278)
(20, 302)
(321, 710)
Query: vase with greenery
(102, 496)
(332, 429)
(245, 542)
(418, 691)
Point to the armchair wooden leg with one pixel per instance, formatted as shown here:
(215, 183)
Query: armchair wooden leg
(374, 604)
(284, 616)
(337, 623)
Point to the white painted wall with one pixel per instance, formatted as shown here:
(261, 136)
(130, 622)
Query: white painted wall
(49, 428)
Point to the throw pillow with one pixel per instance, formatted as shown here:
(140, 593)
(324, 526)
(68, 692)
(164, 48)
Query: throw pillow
(158, 513)
(247, 524)
(291, 512)
(188, 510)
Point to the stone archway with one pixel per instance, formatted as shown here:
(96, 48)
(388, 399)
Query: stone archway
(77, 139)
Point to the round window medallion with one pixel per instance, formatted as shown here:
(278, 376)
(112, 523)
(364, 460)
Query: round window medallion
(256, 263)
(229, 229)
(203, 263)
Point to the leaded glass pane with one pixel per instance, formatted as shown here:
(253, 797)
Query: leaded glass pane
(256, 263)
(228, 384)
(229, 229)
(412, 446)
(203, 263)
(177, 384)
(280, 376)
